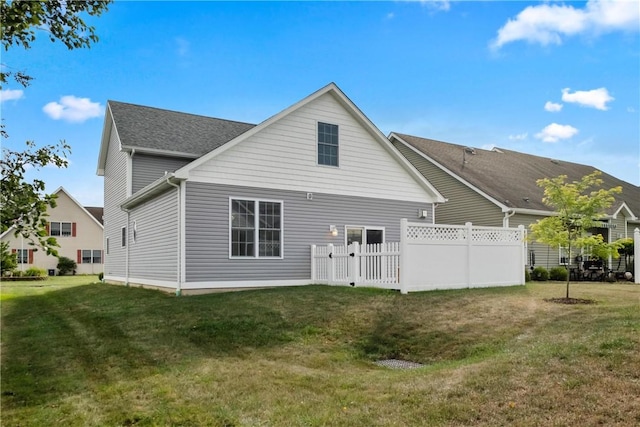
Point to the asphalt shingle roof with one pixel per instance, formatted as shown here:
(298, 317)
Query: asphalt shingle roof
(96, 212)
(171, 131)
(510, 176)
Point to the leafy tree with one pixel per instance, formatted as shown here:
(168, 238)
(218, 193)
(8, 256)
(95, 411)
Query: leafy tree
(8, 261)
(577, 206)
(61, 19)
(23, 204)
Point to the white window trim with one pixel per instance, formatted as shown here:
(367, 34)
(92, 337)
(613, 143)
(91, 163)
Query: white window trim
(257, 228)
(318, 143)
(364, 232)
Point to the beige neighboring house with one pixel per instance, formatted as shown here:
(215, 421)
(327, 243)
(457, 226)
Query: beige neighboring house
(78, 230)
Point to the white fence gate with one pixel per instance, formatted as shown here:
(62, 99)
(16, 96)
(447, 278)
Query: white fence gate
(429, 256)
(371, 265)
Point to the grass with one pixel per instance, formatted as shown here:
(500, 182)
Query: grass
(76, 353)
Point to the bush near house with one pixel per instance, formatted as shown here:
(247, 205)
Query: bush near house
(540, 274)
(66, 265)
(558, 273)
(35, 272)
(527, 275)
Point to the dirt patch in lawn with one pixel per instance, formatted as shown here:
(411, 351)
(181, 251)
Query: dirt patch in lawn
(570, 300)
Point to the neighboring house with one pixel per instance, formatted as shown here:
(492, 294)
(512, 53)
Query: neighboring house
(196, 203)
(78, 231)
(498, 188)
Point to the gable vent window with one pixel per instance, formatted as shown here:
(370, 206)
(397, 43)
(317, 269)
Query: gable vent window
(327, 144)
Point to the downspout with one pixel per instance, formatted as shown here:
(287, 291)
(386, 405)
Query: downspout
(508, 214)
(126, 250)
(178, 265)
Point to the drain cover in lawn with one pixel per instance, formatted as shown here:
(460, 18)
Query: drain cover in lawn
(398, 364)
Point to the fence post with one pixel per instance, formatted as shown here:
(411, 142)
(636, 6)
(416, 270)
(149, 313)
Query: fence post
(636, 256)
(331, 275)
(314, 272)
(403, 274)
(523, 253)
(354, 264)
(469, 231)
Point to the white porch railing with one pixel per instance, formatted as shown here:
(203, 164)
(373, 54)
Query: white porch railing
(376, 265)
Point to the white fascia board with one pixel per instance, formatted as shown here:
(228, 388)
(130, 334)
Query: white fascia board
(183, 172)
(624, 206)
(104, 141)
(382, 140)
(7, 231)
(79, 205)
(155, 151)
(502, 206)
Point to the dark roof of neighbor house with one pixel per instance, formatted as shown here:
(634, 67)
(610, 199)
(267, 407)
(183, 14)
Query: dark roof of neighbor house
(155, 129)
(96, 212)
(510, 176)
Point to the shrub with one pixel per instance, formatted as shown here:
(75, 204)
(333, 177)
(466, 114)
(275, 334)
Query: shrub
(558, 274)
(35, 272)
(527, 275)
(540, 274)
(66, 265)
(101, 276)
(8, 261)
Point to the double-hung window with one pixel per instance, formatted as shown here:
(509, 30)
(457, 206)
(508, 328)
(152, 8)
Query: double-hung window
(61, 229)
(327, 144)
(89, 256)
(22, 256)
(256, 229)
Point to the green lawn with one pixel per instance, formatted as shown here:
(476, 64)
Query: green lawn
(77, 353)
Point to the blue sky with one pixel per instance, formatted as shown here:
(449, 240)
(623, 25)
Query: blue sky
(555, 79)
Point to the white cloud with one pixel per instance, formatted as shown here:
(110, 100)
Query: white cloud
(631, 110)
(443, 5)
(552, 107)
(518, 137)
(10, 94)
(73, 109)
(596, 98)
(555, 132)
(550, 23)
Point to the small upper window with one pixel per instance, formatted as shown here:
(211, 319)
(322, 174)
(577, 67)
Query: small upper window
(327, 144)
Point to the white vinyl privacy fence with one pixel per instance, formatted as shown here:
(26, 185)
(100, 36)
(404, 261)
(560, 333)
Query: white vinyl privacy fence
(428, 256)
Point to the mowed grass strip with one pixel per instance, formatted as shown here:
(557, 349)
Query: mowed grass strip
(79, 354)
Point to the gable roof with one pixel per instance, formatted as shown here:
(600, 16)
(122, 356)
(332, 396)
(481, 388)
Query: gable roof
(95, 213)
(509, 177)
(165, 132)
(331, 88)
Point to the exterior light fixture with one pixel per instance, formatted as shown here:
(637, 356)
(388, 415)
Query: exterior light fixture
(333, 230)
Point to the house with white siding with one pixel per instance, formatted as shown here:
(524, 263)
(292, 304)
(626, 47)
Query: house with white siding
(498, 188)
(78, 231)
(197, 203)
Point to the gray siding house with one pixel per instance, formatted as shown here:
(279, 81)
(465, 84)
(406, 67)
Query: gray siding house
(196, 203)
(498, 188)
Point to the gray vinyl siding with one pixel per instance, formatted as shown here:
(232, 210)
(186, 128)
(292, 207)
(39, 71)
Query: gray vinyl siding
(463, 204)
(148, 168)
(545, 256)
(115, 191)
(305, 222)
(154, 253)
